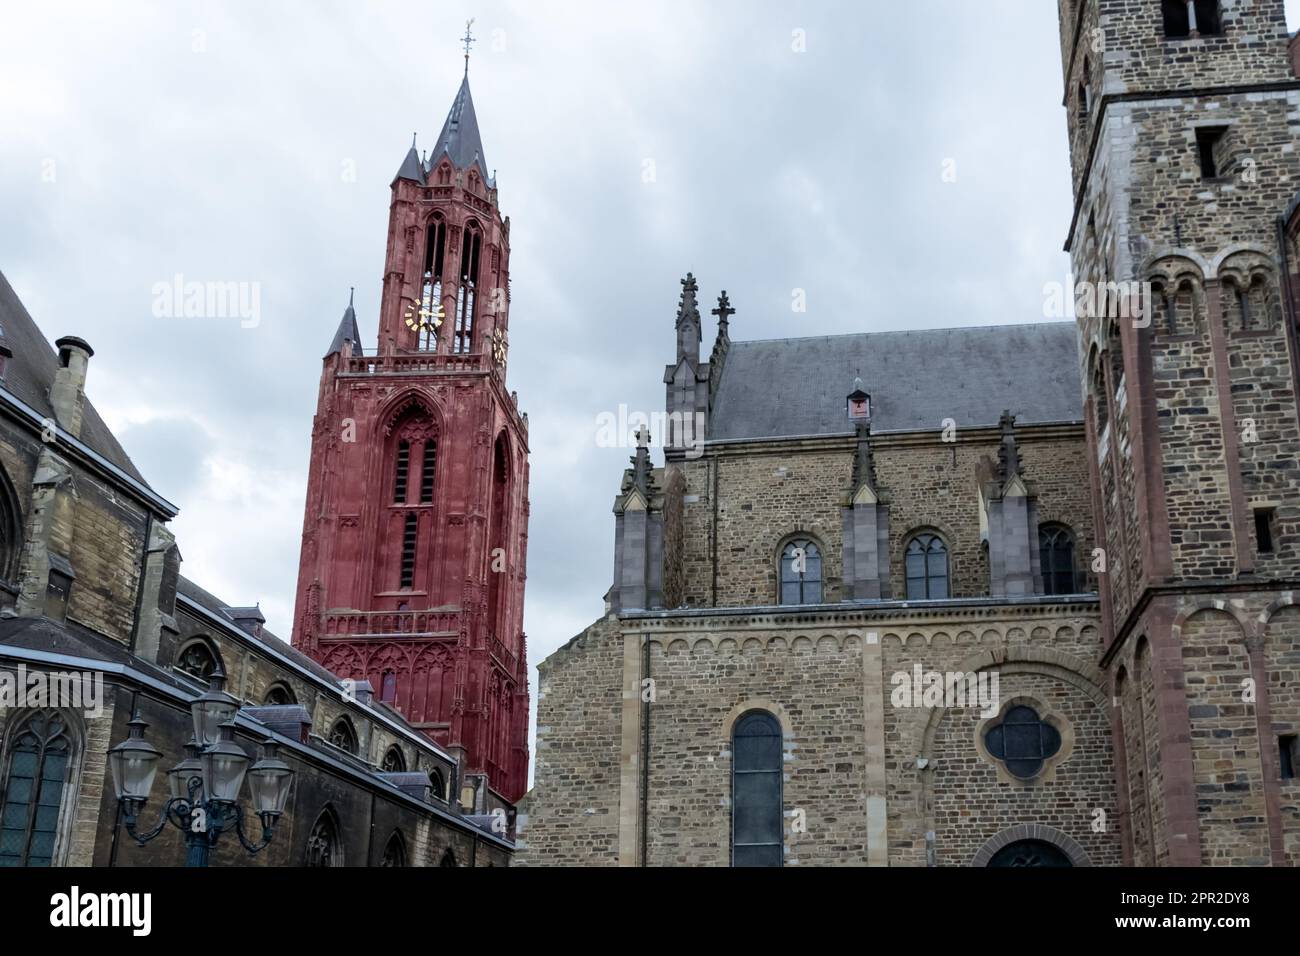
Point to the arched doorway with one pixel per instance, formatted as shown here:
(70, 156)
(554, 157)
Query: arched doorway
(1030, 853)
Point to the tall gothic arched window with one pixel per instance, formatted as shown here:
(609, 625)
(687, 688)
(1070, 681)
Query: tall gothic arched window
(394, 761)
(801, 572)
(757, 823)
(279, 695)
(11, 535)
(343, 736)
(37, 772)
(324, 847)
(467, 296)
(498, 573)
(1056, 559)
(198, 660)
(434, 247)
(394, 851)
(925, 565)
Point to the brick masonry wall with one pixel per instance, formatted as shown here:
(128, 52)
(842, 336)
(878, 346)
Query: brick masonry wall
(1282, 657)
(707, 670)
(1225, 744)
(764, 498)
(572, 811)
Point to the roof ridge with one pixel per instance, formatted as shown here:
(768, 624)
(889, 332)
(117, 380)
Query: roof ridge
(946, 328)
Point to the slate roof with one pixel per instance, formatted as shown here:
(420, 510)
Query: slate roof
(785, 388)
(30, 373)
(411, 167)
(460, 138)
(347, 331)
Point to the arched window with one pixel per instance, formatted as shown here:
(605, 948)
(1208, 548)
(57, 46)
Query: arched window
(388, 687)
(925, 564)
(757, 825)
(39, 765)
(466, 299)
(434, 246)
(11, 534)
(343, 736)
(497, 548)
(1023, 741)
(801, 572)
(394, 851)
(448, 858)
(437, 785)
(279, 695)
(323, 845)
(394, 762)
(1056, 559)
(197, 660)
(1030, 853)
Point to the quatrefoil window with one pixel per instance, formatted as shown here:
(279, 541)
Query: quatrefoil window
(1023, 742)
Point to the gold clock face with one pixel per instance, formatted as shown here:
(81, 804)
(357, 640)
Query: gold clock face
(499, 347)
(424, 316)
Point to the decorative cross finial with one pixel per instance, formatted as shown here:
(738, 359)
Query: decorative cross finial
(724, 311)
(467, 39)
(688, 284)
(642, 437)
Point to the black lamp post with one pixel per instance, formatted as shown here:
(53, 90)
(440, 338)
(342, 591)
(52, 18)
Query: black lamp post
(205, 786)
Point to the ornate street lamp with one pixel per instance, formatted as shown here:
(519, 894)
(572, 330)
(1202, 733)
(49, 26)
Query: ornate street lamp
(205, 786)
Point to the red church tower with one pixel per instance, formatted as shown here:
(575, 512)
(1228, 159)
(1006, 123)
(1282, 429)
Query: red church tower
(416, 527)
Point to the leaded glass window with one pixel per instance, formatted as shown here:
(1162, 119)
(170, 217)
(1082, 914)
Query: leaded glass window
(1056, 559)
(757, 825)
(33, 791)
(198, 661)
(801, 572)
(1030, 853)
(1023, 741)
(926, 567)
(343, 736)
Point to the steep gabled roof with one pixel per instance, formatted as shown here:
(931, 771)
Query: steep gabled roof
(30, 373)
(460, 138)
(784, 388)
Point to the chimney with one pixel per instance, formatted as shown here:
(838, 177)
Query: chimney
(68, 393)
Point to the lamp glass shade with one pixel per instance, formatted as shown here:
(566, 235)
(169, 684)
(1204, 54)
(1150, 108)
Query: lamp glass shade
(268, 785)
(224, 767)
(179, 776)
(211, 711)
(134, 764)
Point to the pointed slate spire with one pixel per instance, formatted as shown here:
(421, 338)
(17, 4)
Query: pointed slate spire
(348, 331)
(460, 138)
(411, 168)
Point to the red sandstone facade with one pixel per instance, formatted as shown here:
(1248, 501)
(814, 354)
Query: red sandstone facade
(415, 533)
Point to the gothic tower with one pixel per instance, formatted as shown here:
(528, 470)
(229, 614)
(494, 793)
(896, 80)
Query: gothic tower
(1184, 159)
(416, 526)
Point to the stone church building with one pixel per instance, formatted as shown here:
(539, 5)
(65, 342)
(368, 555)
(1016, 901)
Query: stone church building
(402, 711)
(1011, 596)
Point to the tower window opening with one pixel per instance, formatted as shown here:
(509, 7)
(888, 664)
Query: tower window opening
(403, 472)
(432, 299)
(1264, 530)
(1288, 754)
(1208, 139)
(427, 472)
(409, 537)
(466, 298)
(1191, 18)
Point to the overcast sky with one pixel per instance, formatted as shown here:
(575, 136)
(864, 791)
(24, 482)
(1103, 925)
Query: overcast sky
(256, 142)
